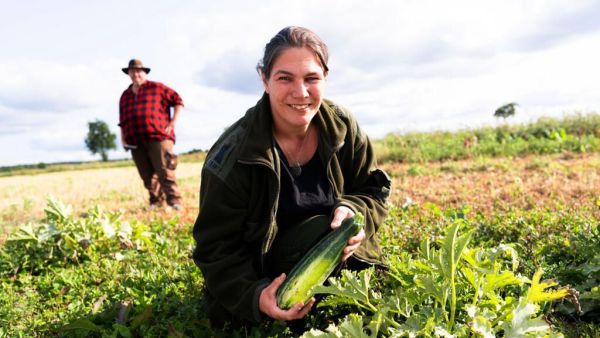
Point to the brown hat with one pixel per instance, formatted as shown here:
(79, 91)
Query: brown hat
(135, 63)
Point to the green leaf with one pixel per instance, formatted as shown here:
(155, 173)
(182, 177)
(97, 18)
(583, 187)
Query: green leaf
(483, 327)
(352, 327)
(481, 321)
(350, 289)
(142, 317)
(522, 323)
(81, 324)
(122, 329)
(314, 333)
(496, 281)
(432, 287)
(56, 211)
(537, 291)
(24, 233)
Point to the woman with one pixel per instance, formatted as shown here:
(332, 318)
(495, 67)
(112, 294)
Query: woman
(292, 156)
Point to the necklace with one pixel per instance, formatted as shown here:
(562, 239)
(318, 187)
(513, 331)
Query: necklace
(296, 168)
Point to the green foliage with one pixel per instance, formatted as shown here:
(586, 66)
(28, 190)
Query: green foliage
(451, 272)
(99, 139)
(445, 291)
(42, 168)
(577, 133)
(506, 110)
(99, 276)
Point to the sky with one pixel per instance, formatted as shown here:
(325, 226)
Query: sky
(398, 66)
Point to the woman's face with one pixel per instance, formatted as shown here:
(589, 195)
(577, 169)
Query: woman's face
(295, 88)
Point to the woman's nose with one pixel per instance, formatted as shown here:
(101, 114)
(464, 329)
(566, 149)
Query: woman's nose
(300, 89)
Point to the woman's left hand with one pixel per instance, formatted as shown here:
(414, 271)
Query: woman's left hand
(340, 214)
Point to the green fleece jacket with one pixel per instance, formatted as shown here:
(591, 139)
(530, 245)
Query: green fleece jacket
(239, 193)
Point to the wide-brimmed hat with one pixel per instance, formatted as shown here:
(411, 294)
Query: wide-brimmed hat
(135, 64)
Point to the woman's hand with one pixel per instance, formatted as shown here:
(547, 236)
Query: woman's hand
(340, 214)
(267, 303)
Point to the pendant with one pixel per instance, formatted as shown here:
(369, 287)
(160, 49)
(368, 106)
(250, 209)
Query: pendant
(296, 170)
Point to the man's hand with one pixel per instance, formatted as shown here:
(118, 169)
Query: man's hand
(170, 127)
(267, 303)
(340, 214)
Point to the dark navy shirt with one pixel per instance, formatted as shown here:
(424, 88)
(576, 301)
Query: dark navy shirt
(303, 196)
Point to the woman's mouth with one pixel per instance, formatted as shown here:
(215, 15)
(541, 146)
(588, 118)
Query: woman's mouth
(300, 106)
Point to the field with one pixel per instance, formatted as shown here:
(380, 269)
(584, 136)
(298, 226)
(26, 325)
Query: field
(23, 198)
(467, 240)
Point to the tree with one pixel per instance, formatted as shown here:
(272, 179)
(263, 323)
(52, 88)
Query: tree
(506, 110)
(99, 139)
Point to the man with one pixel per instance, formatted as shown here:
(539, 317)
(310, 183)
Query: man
(148, 130)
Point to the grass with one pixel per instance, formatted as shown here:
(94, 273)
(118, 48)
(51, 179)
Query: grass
(23, 198)
(576, 133)
(44, 168)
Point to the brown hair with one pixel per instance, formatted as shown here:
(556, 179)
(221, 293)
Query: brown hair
(289, 37)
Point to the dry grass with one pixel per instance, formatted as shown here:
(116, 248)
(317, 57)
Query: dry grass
(564, 180)
(23, 198)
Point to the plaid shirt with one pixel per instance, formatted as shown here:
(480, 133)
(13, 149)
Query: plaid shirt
(144, 117)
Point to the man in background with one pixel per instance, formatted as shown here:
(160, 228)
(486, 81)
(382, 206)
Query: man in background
(148, 130)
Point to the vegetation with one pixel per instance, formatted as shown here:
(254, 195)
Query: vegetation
(577, 133)
(99, 139)
(477, 245)
(43, 168)
(506, 110)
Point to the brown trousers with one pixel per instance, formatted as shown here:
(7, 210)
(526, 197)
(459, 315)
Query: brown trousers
(154, 162)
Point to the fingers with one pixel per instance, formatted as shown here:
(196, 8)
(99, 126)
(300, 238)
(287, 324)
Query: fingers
(272, 288)
(268, 303)
(298, 311)
(353, 244)
(340, 214)
(306, 308)
(170, 127)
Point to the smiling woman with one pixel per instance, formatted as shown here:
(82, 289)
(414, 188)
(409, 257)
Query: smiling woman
(293, 156)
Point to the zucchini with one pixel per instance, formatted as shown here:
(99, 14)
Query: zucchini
(320, 261)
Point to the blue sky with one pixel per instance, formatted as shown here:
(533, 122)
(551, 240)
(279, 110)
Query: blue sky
(397, 65)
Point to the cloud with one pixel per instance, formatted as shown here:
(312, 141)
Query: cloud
(234, 71)
(52, 87)
(399, 66)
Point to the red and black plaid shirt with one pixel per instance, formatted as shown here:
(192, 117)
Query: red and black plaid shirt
(144, 117)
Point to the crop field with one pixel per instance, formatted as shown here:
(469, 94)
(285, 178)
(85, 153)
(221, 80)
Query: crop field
(23, 198)
(486, 246)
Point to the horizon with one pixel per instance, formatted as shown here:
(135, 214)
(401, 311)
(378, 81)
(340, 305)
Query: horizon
(397, 66)
(500, 122)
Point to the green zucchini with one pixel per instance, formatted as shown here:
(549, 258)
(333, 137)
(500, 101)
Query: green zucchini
(314, 268)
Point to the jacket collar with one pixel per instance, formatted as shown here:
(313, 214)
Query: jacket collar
(259, 142)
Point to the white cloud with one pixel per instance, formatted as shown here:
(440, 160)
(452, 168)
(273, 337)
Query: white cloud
(398, 66)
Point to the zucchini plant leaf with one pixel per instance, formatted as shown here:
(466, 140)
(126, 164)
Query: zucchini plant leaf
(351, 289)
(537, 291)
(522, 324)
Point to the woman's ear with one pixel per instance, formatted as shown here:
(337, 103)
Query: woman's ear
(265, 82)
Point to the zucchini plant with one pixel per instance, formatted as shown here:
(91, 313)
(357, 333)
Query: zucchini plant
(447, 290)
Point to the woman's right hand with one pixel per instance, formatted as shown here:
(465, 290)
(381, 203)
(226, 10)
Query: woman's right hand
(267, 303)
